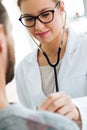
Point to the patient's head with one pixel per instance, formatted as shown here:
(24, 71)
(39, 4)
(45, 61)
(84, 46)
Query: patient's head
(7, 58)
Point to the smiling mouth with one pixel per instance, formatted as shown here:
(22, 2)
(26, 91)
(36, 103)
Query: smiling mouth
(43, 34)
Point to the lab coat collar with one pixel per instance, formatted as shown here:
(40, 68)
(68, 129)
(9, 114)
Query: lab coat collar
(33, 58)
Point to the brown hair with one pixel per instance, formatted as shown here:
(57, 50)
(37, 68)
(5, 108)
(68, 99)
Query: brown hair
(3, 16)
(18, 2)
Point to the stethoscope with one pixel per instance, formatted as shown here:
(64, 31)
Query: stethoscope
(58, 55)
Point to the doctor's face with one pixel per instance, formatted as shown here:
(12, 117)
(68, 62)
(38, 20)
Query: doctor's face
(44, 32)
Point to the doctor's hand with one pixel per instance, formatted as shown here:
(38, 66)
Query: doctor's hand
(62, 104)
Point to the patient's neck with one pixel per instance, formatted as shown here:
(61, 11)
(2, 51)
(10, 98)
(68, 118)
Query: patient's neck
(3, 99)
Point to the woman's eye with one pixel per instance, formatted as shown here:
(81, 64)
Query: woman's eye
(45, 14)
(29, 19)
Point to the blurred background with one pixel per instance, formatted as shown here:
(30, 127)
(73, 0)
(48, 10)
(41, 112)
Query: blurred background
(76, 15)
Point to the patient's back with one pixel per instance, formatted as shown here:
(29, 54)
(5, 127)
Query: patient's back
(16, 117)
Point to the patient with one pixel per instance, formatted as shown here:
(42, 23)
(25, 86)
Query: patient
(15, 116)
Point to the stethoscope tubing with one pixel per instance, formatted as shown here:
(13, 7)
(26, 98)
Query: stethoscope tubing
(54, 66)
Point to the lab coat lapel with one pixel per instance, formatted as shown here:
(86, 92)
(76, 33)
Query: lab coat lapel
(34, 79)
(34, 76)
(67, 60)
(34, 73)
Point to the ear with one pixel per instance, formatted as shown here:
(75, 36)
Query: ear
(62, 6)
(1, 37)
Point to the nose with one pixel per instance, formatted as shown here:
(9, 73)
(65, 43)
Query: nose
(39, 24)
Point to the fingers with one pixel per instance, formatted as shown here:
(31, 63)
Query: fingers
(64, 110)
(68, 111)
(59, 103)
(74, 114)
(51, 102)
(55, 101)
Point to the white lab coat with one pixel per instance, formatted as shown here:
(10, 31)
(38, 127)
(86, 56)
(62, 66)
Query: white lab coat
(72, 77)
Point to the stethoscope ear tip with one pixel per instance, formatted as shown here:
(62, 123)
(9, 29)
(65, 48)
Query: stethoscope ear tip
(58, 4)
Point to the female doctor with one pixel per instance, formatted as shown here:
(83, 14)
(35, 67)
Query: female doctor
(54, 76)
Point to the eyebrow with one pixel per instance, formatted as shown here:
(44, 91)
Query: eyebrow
(41, 11)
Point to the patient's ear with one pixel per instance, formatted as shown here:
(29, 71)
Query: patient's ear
(1, 37)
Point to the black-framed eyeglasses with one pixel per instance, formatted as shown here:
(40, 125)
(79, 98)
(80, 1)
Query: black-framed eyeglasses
(44, 17)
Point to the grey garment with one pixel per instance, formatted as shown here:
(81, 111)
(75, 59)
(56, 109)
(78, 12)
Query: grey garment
(16, 117)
